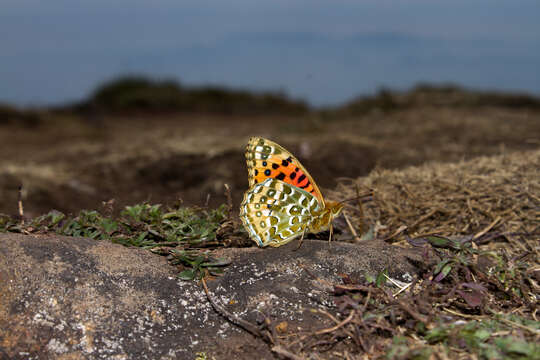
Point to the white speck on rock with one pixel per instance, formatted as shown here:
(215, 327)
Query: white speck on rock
(57, 346)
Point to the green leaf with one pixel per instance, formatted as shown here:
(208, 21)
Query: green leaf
(56, 217)
(442, 242)
(198, 261)
(440, 265)
(512, 345)
(187, 274)
(436, 335)
(140, 238)
(482, 335)
(370, 278)
(445, 271)
(216, 271)
(217, 262)
(381, 278)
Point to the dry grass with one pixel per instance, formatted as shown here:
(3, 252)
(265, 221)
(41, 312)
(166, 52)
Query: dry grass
(496, 196)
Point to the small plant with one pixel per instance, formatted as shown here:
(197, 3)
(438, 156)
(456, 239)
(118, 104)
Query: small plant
(164, 231)
(200, 263)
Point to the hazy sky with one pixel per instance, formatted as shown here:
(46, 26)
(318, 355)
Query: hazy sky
(326, 52)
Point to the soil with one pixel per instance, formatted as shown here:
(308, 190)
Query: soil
(70, 162)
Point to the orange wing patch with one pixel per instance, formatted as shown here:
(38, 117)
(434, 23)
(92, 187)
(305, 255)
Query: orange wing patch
(283, 169)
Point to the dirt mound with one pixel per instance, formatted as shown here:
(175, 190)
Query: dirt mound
(488, 194)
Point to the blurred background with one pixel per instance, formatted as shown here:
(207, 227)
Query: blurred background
(154, 101)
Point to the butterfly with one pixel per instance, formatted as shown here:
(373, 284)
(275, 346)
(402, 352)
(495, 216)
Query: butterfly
(282, 202)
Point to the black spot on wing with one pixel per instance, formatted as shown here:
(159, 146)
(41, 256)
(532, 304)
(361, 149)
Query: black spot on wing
(280, 176)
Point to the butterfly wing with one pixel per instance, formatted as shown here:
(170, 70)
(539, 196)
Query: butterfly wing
(275, 212)
(266, 159)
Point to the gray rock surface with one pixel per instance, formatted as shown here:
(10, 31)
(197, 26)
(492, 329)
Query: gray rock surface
(71, 298)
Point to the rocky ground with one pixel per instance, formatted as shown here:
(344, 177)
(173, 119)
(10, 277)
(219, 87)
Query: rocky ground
(466, 173)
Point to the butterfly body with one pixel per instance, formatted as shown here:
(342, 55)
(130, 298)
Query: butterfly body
(282, 202)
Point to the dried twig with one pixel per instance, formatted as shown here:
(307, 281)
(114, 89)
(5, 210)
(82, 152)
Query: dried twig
(396, 233)
(20, 205)
(423, 218)
(356, 238)
(476, 317)
(414, 314)
(284, 352)
(360, 211)
(254, 330)
(334, 328)
(487, 228)
(229, 200)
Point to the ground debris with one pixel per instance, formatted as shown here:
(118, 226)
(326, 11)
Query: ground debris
(491, 198)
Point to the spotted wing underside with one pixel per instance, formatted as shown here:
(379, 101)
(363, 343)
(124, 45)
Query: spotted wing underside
(266, 159)
(275, 212)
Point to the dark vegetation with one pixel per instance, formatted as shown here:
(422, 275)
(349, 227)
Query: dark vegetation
(127, 94)
(10, 115)
(142, 95)
(138, 94)
(443, 95)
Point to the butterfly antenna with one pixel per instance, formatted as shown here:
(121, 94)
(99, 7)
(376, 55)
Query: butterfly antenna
(360, 196)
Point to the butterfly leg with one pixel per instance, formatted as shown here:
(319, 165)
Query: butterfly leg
(301, 239)
(331, 233)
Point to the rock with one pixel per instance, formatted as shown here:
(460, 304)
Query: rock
(65, 297)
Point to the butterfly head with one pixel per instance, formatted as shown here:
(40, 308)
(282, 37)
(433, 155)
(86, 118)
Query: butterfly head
(334, 209)
(330, 212)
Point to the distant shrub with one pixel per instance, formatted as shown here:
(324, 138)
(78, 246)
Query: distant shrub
(11, 115)
(135, 93)
(436, 95)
